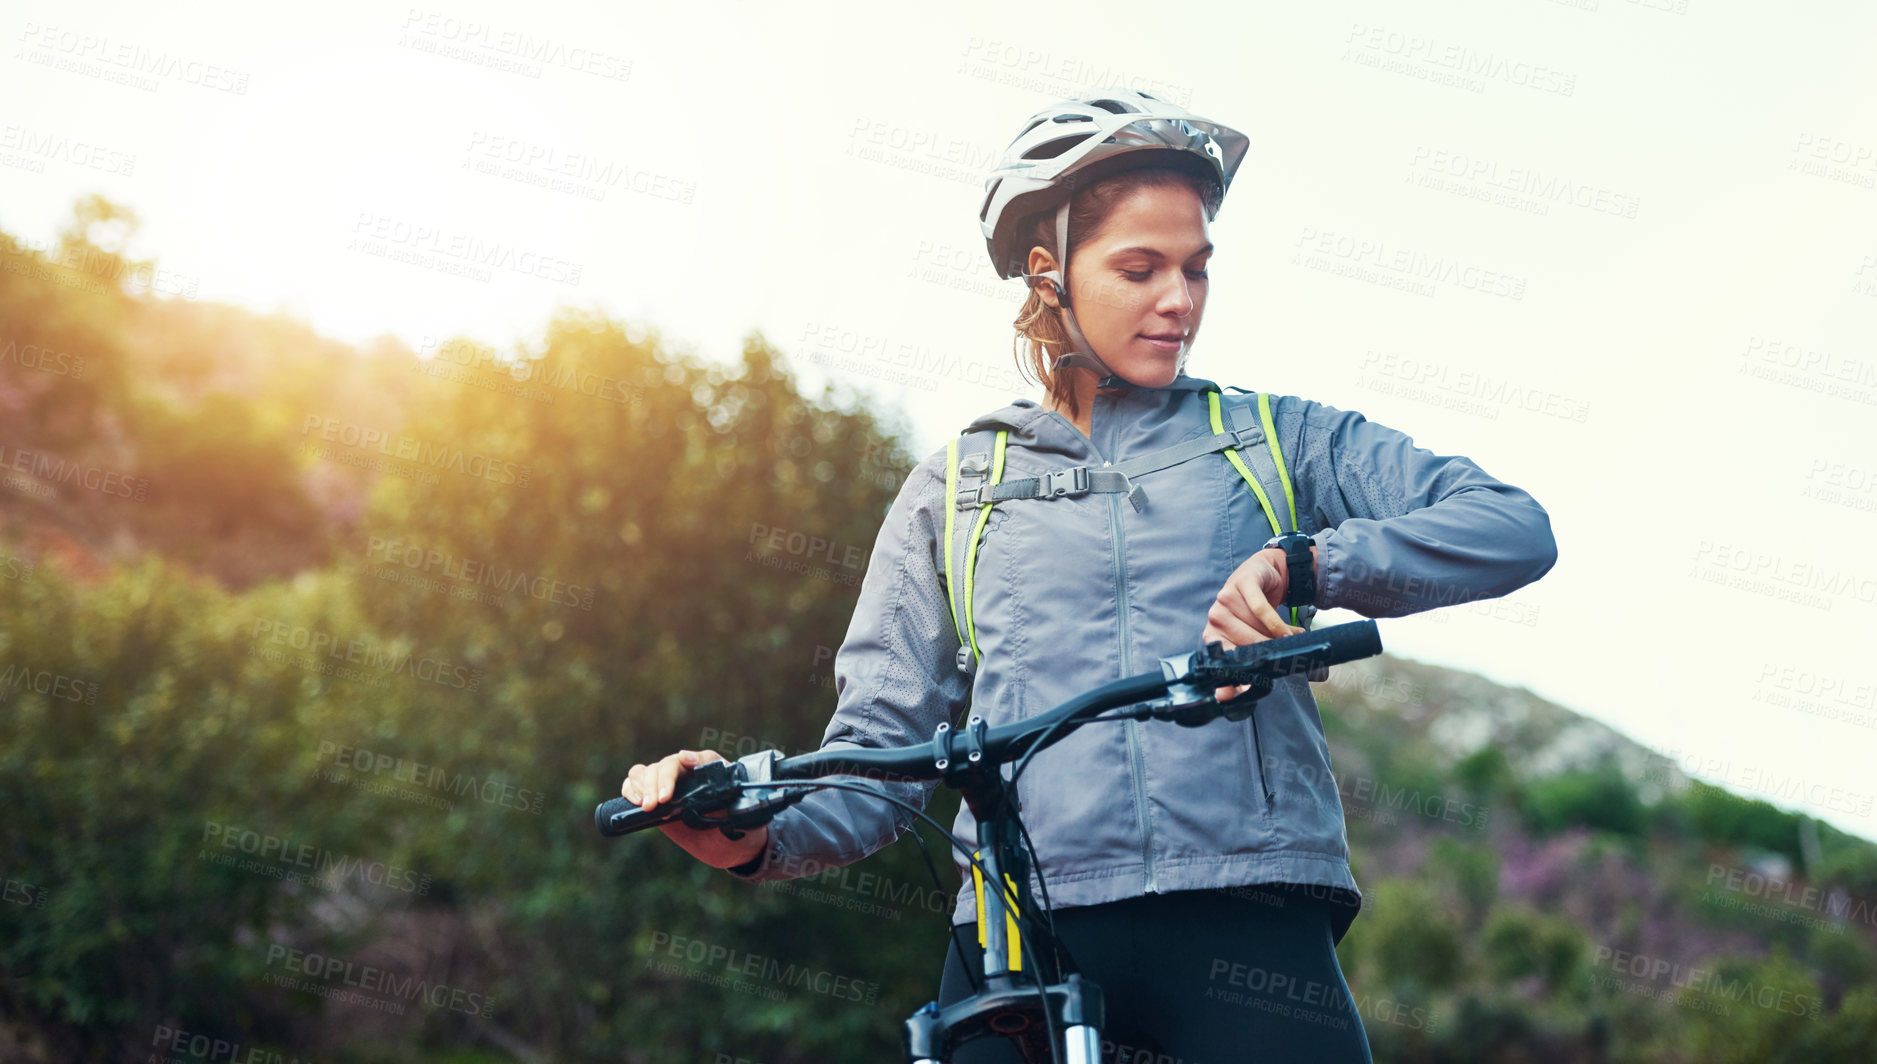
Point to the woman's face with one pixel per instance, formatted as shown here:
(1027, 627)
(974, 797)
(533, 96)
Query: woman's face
(1139, 288)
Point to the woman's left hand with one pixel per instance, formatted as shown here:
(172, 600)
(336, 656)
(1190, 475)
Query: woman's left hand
(1246, 610)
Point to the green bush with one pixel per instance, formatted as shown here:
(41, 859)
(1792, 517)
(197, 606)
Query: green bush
(1521, 942)
(1413, 942)
(1725, 819)
(1470, 872)
(1756, 1010)
(1601, 799)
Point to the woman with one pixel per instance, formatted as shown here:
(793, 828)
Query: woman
(1200, 875)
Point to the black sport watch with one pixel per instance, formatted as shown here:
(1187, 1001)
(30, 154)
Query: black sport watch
(1303, 577)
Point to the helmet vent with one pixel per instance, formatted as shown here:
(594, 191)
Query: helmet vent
(1053, 148)
(1113, 106)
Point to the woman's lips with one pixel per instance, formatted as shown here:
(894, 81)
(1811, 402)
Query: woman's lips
(1165, 346)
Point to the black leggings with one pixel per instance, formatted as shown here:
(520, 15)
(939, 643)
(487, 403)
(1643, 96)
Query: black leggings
(1199, 977)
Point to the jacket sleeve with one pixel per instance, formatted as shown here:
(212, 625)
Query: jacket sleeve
(1405, 529)
(895, 678)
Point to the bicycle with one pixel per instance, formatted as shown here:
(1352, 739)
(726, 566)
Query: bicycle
(1029, 1012)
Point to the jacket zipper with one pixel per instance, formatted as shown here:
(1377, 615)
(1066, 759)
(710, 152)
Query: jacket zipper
(1133, 726)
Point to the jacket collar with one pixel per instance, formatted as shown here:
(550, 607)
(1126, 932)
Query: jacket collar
(1021, 412)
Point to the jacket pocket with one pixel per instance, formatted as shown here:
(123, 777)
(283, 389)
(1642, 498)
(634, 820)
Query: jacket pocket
(1258, 764)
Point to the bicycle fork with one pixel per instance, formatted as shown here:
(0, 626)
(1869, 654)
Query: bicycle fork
(1011, 1010)
(1008, 1003)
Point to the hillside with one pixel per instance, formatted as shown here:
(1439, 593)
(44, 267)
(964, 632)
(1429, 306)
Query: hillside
(1537, 874)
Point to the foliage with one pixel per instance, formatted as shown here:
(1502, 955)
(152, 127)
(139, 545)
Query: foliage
(1600, 798)
(1521, 942)
(1728, 819)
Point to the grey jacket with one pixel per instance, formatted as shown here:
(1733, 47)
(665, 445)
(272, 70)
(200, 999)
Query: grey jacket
(1073, 592)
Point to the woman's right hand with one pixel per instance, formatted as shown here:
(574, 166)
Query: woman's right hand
(1245, 611)
(648, 786)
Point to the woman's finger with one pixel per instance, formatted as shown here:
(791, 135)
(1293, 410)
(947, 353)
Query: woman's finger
(1256, 620)
(649, 785)
(633, 788)
(1225, 623)
(668, 771)
(1261, 611)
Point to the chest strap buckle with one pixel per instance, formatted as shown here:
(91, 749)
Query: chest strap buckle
(1066, 482)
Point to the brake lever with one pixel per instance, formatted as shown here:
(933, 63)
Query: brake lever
(1243, 705)
(1190, 702)
(734, 824)
(754, 804)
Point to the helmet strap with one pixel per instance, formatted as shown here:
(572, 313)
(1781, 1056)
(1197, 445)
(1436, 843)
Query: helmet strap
(1081, 353)
(1062, 254)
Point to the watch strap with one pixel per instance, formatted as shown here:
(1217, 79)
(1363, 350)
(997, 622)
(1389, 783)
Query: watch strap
(1301, 590)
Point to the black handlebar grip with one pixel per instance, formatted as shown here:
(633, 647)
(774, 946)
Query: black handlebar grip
(1305, 651)
(622, 817)
(618, 816)
(1350, 642)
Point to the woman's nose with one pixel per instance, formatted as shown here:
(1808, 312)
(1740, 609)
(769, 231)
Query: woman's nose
(1176, 299)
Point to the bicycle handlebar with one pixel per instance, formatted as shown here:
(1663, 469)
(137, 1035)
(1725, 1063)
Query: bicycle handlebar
(1181, 690)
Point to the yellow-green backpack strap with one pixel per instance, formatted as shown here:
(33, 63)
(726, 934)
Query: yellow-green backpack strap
(1238, 463)
(951, 494)
(977, 537)
(1277, 454)
(1218, 428)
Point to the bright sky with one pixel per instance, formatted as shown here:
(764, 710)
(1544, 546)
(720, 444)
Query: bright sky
(1622, 253)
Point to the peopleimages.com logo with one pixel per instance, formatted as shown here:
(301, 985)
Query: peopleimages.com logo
(54, 685)
(428, 454)
(52, 469)
(426, 777)
(383, 658)
(472, 573)
(174, 1045)
(335, 977)
(277, 857)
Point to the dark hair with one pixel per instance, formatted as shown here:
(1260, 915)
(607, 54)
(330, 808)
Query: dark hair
(1041, 336)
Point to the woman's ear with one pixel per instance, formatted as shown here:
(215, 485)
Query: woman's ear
(1041, 261)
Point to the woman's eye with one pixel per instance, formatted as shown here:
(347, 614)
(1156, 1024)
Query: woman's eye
(1138, 276)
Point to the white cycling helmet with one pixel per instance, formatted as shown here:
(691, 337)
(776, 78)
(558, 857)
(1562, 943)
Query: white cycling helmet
(1073, 144)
